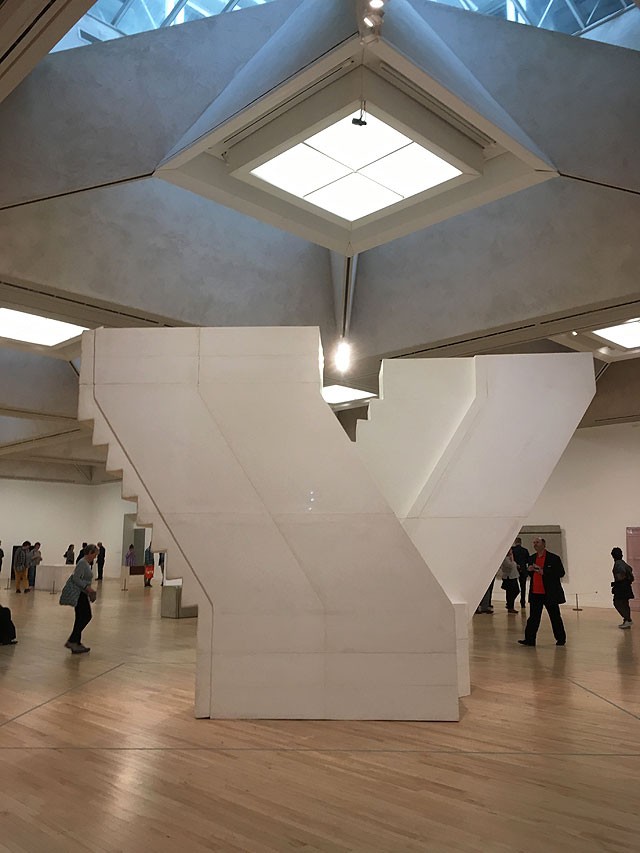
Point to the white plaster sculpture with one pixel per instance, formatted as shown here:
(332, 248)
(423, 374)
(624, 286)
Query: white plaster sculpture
(462, 448)
(313, 601)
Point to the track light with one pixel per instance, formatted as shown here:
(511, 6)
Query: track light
(343, 357)
(376, 4)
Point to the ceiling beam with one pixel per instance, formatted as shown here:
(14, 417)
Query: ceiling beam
(60, 437)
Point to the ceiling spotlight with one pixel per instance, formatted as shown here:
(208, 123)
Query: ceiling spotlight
(376, 4)
(575, 334)
(343, 356)
(373, 19)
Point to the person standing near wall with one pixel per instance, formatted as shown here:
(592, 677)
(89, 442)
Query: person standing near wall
(35, 558)
(77, 593)
(1, 555)
(545, 569)
(621, 587)
(20, 565)
(100, 561)
(81, 553)
(521, 556)
(69, 555)
(510, 581)
(130, 557)
(149, 565)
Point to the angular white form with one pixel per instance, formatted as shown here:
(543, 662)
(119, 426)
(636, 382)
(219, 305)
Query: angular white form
(313, 601)
(462, 448)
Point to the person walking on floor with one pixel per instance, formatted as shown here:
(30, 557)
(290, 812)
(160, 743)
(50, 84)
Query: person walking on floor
(20, 565)
(100, 560)
(621, 587)
(149, 565)
(521, 556)
(69, 556)
(34, 558)
(485, 605)
(510, 580)
(545, 591)
(81, 553)
(78, 593)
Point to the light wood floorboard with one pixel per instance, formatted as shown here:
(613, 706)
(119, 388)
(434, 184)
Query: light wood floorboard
(101, 752)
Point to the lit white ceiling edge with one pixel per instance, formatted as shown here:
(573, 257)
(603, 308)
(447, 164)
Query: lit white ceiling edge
(518, 169)
(65, 350)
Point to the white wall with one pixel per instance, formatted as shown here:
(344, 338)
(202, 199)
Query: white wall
(594, 494)
(59, 513)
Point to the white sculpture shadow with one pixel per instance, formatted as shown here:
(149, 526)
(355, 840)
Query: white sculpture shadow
(462, 448)
(313, 602)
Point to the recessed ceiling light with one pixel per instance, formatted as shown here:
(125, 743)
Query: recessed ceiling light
(300, 170)
(626, 335)
(343, 356)
(33, 329)
(353, 197)
(357, 146)
(410, 170)
(334, 394)
(353, 170)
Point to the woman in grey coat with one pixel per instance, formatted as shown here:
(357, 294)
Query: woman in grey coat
(78, 592)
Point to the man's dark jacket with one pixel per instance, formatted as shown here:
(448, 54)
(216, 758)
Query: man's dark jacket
(521, 556)
(553, 571)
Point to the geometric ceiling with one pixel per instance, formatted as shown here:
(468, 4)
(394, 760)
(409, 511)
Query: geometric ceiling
(107, 215)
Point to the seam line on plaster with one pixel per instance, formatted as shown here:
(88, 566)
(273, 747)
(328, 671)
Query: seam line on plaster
(78, 191)
(599, 183)
(27, 30)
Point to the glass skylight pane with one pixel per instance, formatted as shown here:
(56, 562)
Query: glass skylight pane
(358, 146)
(300, 170)
(626, 335)
(353, 197)
(33, 329)
(334, 394)
(411, 170)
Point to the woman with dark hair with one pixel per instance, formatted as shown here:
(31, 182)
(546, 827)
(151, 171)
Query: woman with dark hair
(69, 556)
(621, 587)
(77, 593)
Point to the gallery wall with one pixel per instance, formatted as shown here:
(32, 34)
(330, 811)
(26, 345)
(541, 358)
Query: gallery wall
(57, 514)
(594, 495)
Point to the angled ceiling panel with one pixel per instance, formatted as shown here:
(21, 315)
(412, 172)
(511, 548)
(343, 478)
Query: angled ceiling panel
(579, 100)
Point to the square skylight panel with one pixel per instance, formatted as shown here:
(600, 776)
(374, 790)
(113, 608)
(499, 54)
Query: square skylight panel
(626, 335)
(33, 329)
(354, 170)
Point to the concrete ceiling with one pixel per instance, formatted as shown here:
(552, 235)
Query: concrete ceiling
(88, 235)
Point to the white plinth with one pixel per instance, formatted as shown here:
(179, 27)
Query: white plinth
(51, 578)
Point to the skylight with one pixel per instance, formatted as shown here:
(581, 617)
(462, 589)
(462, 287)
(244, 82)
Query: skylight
(33, 329)
(354, 170)
(626, 335)
(334, 394)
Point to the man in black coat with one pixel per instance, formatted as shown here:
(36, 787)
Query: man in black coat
(545, 570)
(521, 556)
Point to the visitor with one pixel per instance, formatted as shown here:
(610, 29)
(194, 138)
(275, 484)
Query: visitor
(35, 558)
(100, 561)
(20, 566)
(485, 605)
(621, 587)
(510, 580)
(7, 628)
(161, 557)
(149, 565)
(1, 555)
(521, 556)
(81, 553)
(545, 590)
(69, 555)
(78, 593)
(130, 558)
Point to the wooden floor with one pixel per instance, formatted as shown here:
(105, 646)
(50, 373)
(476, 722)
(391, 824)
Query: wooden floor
(101, 752)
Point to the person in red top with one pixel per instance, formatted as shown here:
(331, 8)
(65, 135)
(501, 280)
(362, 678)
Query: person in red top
(545, 570)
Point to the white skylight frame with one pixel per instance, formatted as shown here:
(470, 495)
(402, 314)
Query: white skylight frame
(353, 170)
(34, 329)
(336, 395)
(625, 335)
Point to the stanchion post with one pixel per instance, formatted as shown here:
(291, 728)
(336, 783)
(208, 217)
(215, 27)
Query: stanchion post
(577, 607)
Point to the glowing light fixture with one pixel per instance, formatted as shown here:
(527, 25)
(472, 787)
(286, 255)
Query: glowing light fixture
(33, 329)
(343, 356)
(334, 394)
(626, 335)
(353, 171)
(376, 4)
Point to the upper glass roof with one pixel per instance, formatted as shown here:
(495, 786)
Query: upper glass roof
(109, 19)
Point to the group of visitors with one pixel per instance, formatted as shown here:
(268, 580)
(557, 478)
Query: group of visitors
(70, 558)
(544, 571)
(149, 562)
(25, 564)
